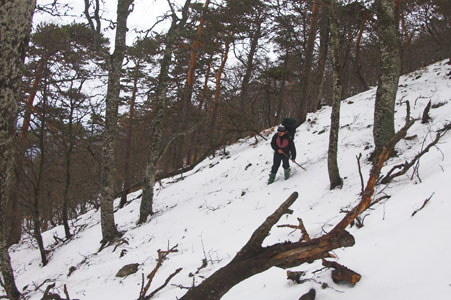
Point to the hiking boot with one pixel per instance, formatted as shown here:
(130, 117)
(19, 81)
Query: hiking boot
(272, 177)
(287, 173)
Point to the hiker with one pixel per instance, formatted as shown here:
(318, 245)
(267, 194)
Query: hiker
(284, 149)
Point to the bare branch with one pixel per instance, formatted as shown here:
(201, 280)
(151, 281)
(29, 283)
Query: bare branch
(161, 256)
(164, 284)
(407, 165)
(259, 235)
(360, 172)
(422, 206)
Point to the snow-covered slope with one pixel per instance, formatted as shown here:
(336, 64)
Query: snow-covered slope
(212, 212)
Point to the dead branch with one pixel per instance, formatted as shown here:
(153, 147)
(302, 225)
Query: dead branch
(164, 284)
(407, 165)
(309, 296)
(52, 296)
(360, 172)
(422, 206)
(425, 119)
(305, 236)
(66, 292)
(296, 276)
(161, 257)
(342, 274)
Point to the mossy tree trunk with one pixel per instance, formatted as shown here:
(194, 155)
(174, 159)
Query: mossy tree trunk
(15, 25)
(332, 164)
(108, 177)
(390, 66)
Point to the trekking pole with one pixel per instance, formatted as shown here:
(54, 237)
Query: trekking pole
(294, 161)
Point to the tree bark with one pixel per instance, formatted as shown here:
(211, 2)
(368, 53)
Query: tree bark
(384, 124)
(323, 49)
(15, 26)
(108, 174)
(332, 164)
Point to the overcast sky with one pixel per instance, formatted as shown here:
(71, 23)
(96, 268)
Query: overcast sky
(144, 15)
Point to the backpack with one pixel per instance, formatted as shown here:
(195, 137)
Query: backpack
(290, 125)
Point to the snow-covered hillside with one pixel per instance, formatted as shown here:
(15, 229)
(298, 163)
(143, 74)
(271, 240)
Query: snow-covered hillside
(213, 211)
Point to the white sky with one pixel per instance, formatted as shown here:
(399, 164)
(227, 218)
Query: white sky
(144, 15)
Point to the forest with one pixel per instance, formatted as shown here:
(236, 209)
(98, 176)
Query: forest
(86, 119)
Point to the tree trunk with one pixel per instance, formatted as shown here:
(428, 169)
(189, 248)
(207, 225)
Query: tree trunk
(37, 186)
(214, 109)
(357, 65)
(15, 26)
(108, 175)
(332, 165)
(384, 124)
(323, 49)
(67, 183)
(157, 147)
(254, 39)
(306, 74)
(128, 145)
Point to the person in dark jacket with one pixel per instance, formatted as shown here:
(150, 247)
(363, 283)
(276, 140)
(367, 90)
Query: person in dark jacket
(284, 150)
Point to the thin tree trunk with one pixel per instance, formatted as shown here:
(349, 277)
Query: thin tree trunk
(254, 39)
(305, 78)
(384, 122)
(68, 173)
(37, 186)
(29, 104)
(15, 26)
(214, 111)
(108, 177)
(128, 145)
(357, 67)
(323, 49)
(205, 87)
(157, 147)
(332, 164)
(188, 90)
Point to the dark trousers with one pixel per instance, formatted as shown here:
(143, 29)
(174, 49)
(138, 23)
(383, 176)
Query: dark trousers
(278, 158)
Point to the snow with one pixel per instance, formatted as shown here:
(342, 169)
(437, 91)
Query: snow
(213, 211)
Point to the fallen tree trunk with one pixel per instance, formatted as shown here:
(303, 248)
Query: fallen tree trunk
(253, 258)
